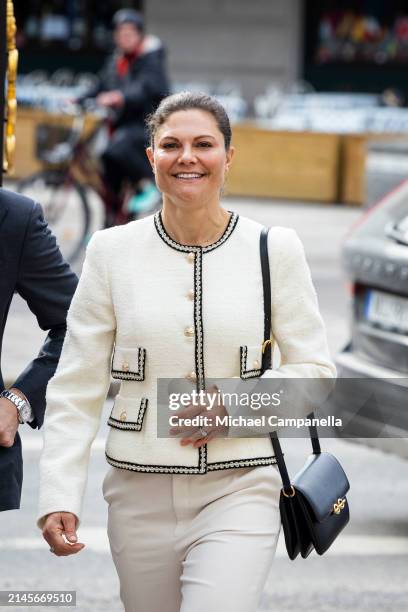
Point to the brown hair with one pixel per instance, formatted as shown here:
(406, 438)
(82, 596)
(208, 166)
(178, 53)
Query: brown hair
(188, 100)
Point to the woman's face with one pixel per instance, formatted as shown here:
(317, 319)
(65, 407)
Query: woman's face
(189, 157)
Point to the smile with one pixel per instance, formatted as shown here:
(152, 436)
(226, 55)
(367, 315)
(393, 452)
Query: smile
(188, 176)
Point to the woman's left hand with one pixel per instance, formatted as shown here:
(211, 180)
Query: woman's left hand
(193, 435)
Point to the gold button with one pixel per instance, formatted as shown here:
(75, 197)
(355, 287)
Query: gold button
(190, 294)
(123, 416)
(189, 331)
(256, 364)
(190, 257)
(125, 366)
(192, 376)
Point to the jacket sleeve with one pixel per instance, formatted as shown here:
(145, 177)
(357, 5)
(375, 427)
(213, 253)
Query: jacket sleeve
(150, 84)
(298, 329)
(46, 282)
(299, 332)
(297, 325)
(76, 393)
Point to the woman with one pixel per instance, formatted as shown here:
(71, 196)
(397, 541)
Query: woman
(193, 522)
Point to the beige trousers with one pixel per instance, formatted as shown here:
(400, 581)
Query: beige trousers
(193, 543)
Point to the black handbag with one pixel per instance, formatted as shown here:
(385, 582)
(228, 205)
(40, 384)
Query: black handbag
(313, 505)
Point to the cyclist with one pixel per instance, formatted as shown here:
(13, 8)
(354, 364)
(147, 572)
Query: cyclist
(131, 85)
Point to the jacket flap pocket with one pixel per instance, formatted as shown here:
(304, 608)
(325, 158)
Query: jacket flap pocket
(128, 363)
(128, 413)
(250, 360)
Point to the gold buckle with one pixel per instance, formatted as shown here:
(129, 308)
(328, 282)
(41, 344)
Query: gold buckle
(292, 492)
(265, 344)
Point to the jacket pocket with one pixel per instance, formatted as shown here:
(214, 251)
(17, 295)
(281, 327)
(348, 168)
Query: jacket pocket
(128, 363)
(250, 361)
(128, 413)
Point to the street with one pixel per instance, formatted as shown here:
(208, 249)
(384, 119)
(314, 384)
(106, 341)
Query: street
(366, 568)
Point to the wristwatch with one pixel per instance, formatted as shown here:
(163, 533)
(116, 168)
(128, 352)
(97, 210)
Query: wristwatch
(24, 410)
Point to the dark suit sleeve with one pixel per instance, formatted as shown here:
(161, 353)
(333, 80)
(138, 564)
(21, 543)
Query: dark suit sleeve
(47, 284)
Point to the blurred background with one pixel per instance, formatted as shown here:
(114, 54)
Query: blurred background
(317, 92)
(336, 70)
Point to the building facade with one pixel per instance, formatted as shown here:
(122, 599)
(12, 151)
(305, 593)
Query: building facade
(226, 42)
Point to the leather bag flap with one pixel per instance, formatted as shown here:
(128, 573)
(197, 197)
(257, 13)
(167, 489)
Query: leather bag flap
(322, 482)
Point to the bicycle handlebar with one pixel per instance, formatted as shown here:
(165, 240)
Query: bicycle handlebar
(89, 106)
(79, 111)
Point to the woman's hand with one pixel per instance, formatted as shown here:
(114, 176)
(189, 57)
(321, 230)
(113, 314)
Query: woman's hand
(59, 530)
(193, 435)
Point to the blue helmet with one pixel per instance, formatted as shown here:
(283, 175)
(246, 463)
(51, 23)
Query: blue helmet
(128, 16)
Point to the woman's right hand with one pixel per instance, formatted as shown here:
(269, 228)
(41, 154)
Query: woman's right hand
(59, 530)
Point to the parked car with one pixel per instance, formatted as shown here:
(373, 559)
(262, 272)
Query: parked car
(386, 167)
(375, 257)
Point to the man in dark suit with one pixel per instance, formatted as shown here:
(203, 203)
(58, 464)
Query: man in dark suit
(31, 265)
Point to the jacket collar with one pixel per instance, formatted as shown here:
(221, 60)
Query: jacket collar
(185, 248)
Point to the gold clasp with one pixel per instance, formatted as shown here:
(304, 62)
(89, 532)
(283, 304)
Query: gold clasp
(339, 505)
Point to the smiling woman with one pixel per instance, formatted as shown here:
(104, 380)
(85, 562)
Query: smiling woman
(190, 153)
(194, 516)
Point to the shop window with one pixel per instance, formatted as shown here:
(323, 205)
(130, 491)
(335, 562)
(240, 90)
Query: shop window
(74, 25)
(357, 31)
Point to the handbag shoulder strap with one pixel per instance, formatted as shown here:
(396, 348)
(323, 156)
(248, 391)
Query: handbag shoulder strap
(266, 280)
(267, 356)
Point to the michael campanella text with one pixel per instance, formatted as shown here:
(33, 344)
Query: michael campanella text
(272, 421)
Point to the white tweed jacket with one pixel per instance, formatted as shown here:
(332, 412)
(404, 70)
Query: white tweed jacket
(147, 307)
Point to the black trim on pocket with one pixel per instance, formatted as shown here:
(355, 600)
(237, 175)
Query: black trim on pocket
(130, 425)
(244, 372)
(130, 375)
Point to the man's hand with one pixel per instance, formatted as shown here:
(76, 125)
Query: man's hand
(110, 99)
(8, 422)
(59, 529)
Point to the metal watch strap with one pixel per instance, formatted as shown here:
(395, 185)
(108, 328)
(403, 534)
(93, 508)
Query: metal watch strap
(16, 400)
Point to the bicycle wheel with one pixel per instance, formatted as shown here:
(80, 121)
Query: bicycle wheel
(65, 205)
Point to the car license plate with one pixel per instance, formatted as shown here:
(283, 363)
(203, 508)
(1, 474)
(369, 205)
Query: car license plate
(386, 310)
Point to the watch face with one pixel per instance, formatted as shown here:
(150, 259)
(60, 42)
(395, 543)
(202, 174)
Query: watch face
(25, 412)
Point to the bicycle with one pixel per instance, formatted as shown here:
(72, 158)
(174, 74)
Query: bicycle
(70, 177)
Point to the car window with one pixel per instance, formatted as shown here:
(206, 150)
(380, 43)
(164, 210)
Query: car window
(390, 216)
